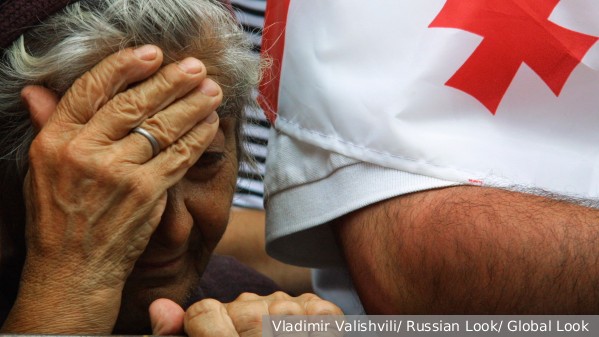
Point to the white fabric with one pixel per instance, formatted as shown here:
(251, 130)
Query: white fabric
(308, 187)
(365, 113)
(368, 82)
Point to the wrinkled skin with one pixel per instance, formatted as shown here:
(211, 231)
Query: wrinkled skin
(242, 317)
(111, 228)
(98, 202)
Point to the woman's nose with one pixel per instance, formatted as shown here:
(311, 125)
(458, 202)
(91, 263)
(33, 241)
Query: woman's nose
(176, 223)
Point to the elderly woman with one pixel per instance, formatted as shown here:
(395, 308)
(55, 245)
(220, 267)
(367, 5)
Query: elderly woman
(119, 154)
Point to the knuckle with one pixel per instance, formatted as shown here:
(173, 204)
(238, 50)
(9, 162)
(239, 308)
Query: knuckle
(90, 87)
(160, 127)
(39, 145)
(280, 295)
(183, 154)
(190, 105)
(129, 103)
(168, 78)
(163, 80)
(171, 76)
(199, 102)
(247, 297)
(200, 137)
(245, 314)
(140, 191)
(101, 168)
(98, 76)
(117, 64)
(79, 87)
(72, 156)
(202, 307)
(309, 297)
(317, 306)
(285, 307)
(116, 61)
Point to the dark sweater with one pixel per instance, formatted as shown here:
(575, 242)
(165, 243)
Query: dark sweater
(226, 278)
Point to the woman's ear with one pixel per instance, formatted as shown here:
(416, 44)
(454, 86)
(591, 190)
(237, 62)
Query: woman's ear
(41, 103)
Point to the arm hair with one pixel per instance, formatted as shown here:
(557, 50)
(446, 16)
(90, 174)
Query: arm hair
(473, 250)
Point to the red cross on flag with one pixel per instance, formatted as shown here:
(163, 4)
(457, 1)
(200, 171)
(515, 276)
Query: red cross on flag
(492, 92)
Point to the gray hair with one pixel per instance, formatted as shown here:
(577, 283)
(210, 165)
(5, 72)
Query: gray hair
(68, 44)
(71, 42)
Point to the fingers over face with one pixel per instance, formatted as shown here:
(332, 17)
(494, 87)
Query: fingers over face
(175, 92)
(173, 122)
(171, 164)
(109, 77)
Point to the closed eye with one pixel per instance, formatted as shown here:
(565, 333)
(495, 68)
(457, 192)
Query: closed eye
(209, 159)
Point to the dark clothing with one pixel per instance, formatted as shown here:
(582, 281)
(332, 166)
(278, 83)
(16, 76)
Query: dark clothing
(226, 278)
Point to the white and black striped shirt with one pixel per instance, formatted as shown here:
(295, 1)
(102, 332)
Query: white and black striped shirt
(250, 187)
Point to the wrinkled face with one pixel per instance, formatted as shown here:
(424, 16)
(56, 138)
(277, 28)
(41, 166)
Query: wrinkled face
(195, 218)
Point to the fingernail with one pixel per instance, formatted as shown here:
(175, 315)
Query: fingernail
(191, 65)
(209, 88)
(212, 118)
(146, 53)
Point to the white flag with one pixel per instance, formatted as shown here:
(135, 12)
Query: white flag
(488, 92)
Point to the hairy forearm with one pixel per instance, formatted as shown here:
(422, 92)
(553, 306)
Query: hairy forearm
(473, 250)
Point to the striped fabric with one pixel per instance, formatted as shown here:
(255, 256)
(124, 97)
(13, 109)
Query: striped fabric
(250, 187)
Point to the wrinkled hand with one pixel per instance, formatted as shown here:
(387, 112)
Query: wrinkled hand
(242, 317)
(94, 192)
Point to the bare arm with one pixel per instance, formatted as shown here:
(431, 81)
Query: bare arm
(473, 250)
(244, 239)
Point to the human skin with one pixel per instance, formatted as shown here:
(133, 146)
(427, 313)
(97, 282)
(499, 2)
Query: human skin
(242, 317)
(111, 230)
(104, 217)
(473, 250)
